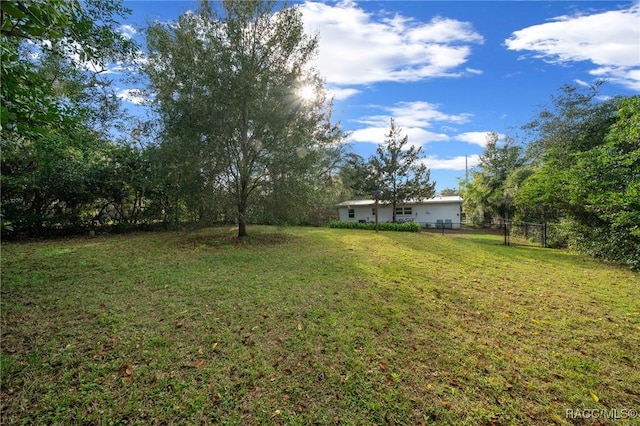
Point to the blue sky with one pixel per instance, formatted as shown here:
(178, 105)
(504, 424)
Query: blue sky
(451, 71)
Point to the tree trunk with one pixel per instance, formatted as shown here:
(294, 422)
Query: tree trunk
(244, 167)
(393, 211)
(242, 220)
(242, 227)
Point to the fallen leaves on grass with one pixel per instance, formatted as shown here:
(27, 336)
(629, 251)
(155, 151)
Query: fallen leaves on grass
(556, 419)
(126, 372)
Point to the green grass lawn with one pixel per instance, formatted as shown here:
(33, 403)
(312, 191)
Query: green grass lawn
(313, 326)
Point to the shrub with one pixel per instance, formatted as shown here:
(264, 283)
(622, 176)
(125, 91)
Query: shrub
(382, 226)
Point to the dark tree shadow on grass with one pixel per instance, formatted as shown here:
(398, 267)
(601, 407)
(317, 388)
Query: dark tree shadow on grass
(226, 238)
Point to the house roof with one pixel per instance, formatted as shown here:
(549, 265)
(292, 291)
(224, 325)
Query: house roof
(454, 199)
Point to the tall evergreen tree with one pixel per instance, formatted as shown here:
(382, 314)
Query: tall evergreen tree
(397, 170)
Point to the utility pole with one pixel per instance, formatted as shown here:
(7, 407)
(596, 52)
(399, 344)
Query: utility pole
(466, 171)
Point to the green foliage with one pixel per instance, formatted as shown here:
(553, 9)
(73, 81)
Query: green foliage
(230, 109)
(57, 110)
(541, 197)
(82, 35)
(126, 185)
(575, 121)
(382, 226)
(5, 225)
(55, 184)
(449, 192)
(397, 171)
(47, 180)
(356, 176)
(605, 183)
(491, 191)
(587, 157)
(580, 176)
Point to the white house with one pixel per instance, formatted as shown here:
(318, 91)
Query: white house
(438, 212)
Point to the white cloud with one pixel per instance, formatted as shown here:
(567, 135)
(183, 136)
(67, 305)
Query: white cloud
(413, 114)
(629, 77)
(116, 68)
(423, 114)
(359, 47)
(419, 136)
(119, 67)
(474, 71)
(452, 163)
(444, 30)
(134, 96)
(341, 94)
(127, 31)
(412, 117)
(476, 138)
(370, 135)
(376, 135)
(581, 83)
(610, 40)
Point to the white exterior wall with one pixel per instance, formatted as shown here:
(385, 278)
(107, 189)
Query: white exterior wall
(365, 213)
(427, 214)
(361, 213)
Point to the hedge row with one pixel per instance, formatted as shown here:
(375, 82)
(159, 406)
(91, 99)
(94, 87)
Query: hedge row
(382, 226)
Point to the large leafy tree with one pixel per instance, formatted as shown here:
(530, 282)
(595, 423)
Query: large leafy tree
(56, 106)
(46, 44)
(584, 176)
(604, 183)
(228, 83)
(575, 122)
(397, 170)
(491, 191)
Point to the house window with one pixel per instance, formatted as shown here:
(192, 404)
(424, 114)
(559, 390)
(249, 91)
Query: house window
(403, 211)
(407, 211)
(373, 211)
(352, 213)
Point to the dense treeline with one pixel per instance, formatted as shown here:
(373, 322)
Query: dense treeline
(242, 133)
(578, 171)
(58, 159)
(232, 140)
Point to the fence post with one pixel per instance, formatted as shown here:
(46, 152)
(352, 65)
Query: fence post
(506, 234)
(544, 234)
